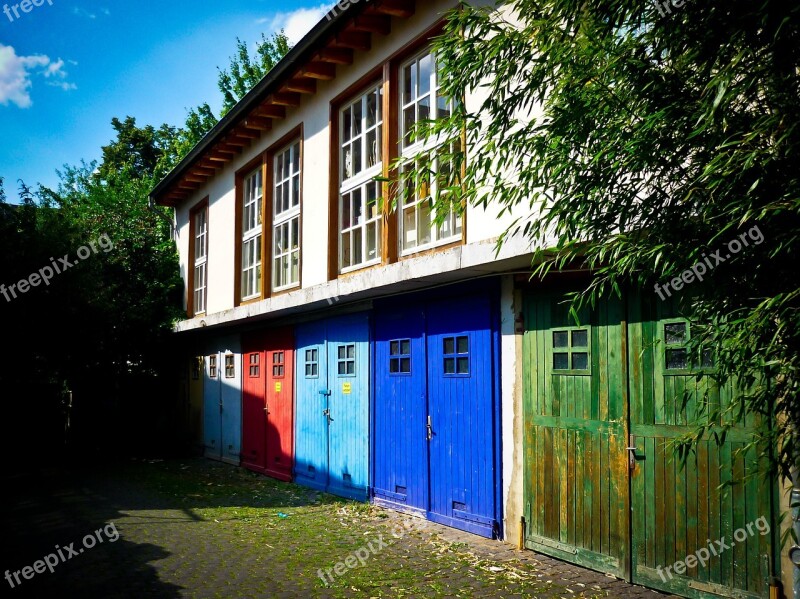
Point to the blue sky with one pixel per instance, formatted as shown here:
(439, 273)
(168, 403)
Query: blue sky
(68, 67)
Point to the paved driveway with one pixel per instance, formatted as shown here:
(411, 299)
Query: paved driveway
(195, 528)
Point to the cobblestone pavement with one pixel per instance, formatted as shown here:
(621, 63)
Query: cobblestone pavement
(195, 528)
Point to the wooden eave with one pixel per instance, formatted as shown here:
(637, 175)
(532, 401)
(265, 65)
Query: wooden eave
(330, 44)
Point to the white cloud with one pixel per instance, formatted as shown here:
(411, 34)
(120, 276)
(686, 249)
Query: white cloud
(82, 12)
(16, 74)
(296, 23)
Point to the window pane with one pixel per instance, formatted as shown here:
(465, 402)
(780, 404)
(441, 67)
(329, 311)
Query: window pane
(580, 361)
(342, 352)
(675, 333)
(347, 124)
(342, 368)
(425, 72)
(394, 348)
(560, 339)
(409, 82)
(358, 115)
(372, 109)
(409, 118)
(405, 347)
(358, 207)
(358, 248)
(308, 355)
(707, 359)
(463, 345)
(449, 346)
(405, 365)
(347, 255)
(358, 163)
(449, 366)
(372, 241)
(351, 367)
(425, 218)
(580, 338)
(351, 351)
(409, 228)
(309, 370)
(425, 108)
(677, 359)
(463, 366)
(560, 361)
(394, 366)
(346, 220)
(373, 155)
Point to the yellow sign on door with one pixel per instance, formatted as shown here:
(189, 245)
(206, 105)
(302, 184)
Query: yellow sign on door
(277, 387)
(347, 388)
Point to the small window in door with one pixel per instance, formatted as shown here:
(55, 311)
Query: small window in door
(570, 350)
(255, 366)
(230, 369)
(400, 357)
(676, 349)
(278, 364)
(346, 360)
(212, 367)
(312, 363)
(455, 353)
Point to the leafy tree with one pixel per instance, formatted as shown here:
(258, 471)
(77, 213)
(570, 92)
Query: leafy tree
(245, 72)
(638, 139)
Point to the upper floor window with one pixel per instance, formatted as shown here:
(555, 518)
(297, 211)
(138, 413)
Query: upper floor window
(360, 222)
(421, 99)
(252, 206)
(286, 218)
(199, 260)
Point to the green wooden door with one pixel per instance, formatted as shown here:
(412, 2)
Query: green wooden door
(677, 511)
(624, 377)
(576, 479)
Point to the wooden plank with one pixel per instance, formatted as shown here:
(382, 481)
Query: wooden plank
(395, 8)
(336, 55)
(357, 40)
(380, 24)
(272, 111)
(324, 71)
(300, 85)
(285, 99)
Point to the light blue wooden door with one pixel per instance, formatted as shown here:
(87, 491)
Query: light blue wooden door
(311, 404)
(348, 403)
(231, 398)
(212, 415)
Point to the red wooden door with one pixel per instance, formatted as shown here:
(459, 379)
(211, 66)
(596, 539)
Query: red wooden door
(254, 404)
(280, 403)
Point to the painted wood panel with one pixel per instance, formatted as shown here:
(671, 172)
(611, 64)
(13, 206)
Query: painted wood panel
(683, 509)
(575, 482)
(332, 405)
(435, 417)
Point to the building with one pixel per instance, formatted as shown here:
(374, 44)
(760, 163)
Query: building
(384, 356)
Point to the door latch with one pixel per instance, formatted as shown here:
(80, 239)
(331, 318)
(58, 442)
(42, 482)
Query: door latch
(429, 426)
(327, 413)
(632, 457)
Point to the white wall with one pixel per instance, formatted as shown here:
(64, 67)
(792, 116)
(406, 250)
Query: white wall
(313, 114)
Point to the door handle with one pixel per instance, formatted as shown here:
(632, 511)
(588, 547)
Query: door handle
(325, 392)
(327, 414)
(429, 426)
(632, 457)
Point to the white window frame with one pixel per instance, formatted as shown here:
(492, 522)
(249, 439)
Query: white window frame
(200, 277)
(412, 205)
(252, 230)
(356, 177)
(286, 221)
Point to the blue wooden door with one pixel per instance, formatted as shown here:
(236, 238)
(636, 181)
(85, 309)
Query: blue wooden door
(436, 415)
(311, 403)
(212, 414)
(461, 381)
(348, 405)
(400, 435)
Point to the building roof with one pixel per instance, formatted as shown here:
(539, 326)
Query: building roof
(332, 42)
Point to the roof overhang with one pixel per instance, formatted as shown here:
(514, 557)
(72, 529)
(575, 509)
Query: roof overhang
(332, 42)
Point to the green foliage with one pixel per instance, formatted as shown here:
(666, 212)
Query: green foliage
(245, 71)
(633, 144)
